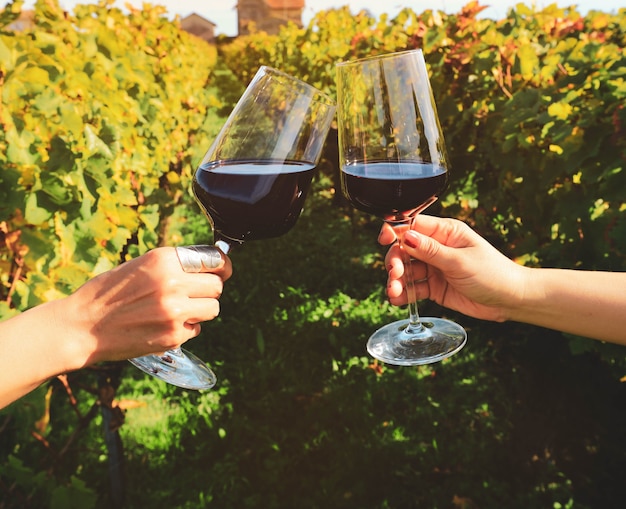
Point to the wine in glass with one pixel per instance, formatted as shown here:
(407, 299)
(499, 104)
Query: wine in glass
(394, 165)
(253, 181)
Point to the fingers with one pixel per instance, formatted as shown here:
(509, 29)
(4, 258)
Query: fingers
(161, 270)
(396, 268)
(442, 250)
(420, 246)
(148, 304)
(184, 298)
(431, 239)
(397, 290)
(226, 270)
(396, 285)
(205, 268)
(178, 320)
(427, 225)
(394, 263)
(200, 310)
(387, 235)
(198, 286)
(446, 231)
(204, 259)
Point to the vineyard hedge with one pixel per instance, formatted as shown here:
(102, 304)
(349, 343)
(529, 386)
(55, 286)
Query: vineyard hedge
(532, 107)
(103, 116)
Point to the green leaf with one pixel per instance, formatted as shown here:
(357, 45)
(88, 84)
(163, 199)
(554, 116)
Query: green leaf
(33, 213)
(528, 61)
(93, 144)
(75, 496)
(71, 119)
(19, 147)
(72, 275)
(260, 342)
(56, 188)
(150, 216)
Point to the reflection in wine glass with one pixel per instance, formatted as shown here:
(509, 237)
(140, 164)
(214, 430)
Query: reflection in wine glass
(253, 181)
(394, 165)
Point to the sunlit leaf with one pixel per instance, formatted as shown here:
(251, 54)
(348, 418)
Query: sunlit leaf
(33, 213)
(528, 61)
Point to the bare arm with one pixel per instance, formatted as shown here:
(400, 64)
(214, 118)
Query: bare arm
(146, 305)
(586, 303)
(465, 273)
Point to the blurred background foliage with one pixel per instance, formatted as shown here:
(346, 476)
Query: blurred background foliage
(104, 115)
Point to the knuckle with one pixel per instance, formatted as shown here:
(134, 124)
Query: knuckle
(213, 309)
(171, 310)
(216, 286)
(153, 257)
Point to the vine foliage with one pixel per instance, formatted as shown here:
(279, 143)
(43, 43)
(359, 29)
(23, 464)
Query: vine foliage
(101, 114)
(532, 108)
(102, 117)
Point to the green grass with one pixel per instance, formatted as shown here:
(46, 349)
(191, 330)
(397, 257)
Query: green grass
(304, 418)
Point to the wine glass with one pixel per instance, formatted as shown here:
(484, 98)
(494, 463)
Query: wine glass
(394, 165)
(253, 181)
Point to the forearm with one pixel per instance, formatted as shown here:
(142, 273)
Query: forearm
(32, 350)
(585, 303)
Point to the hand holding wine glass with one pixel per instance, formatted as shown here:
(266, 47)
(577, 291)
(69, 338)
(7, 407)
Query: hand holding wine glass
(252, 184)
(394, 165)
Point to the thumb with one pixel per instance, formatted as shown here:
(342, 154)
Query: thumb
(428, 250)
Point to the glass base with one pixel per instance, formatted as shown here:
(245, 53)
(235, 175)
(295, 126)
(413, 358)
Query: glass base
(177, 367)
(433, 342)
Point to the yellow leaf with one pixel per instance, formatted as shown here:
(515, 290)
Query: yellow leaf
(528, 61)
(173, 177)
(556, 149)
(560, 110)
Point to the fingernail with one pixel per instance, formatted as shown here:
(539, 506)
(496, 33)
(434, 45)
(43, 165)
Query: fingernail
(411, 238)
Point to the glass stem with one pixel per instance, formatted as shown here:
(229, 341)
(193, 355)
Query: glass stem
(415, 325)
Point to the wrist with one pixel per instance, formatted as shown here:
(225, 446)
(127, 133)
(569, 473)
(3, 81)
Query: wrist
(530, 294)
(73, 345)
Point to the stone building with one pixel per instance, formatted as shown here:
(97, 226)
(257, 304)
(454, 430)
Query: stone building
(267, 15)
(199, 26)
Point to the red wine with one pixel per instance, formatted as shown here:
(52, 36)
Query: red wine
(393, 190)
(251, 200)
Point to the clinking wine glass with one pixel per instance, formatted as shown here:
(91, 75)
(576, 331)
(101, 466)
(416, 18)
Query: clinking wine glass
(394, 165)
(253, 181)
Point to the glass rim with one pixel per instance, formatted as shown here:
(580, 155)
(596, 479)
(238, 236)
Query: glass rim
(382, 56)
(315, 91)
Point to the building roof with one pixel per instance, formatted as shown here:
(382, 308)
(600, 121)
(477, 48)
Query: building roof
(285, 4)
(196, 18)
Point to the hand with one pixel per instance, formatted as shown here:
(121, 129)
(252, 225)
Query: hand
(146, 305)
(454, 267)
